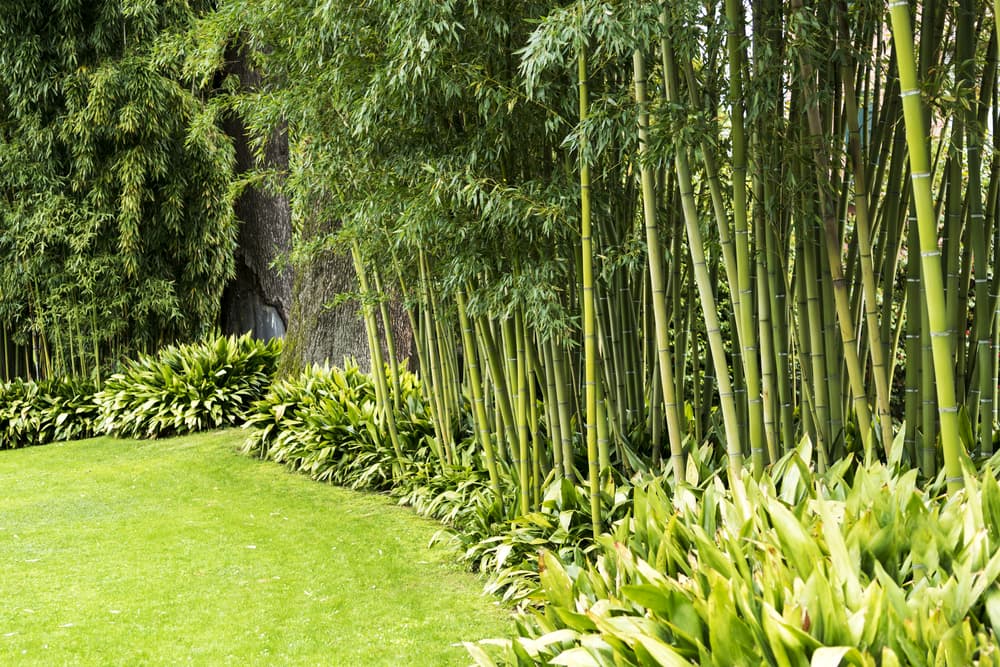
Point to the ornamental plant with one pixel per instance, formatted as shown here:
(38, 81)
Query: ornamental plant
(187, 388)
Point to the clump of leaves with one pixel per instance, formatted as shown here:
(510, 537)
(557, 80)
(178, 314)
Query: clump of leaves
(800, 569)
(188, 388)
(507, 552)
(49, 411)
(325, 423)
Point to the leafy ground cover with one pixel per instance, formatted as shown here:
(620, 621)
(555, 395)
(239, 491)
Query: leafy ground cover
(176, 551)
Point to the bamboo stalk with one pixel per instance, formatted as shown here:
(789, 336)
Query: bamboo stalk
(654, 255)
(832, 245)
(876, 346)
(589, 316)
(734, 449)
(930, 255)
(378, 366)
(521, 411)
(746, 331)
(476, 387)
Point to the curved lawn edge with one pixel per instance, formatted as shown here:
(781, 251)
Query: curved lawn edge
(179, 550)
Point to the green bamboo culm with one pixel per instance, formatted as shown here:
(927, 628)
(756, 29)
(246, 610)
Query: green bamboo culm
(589, 316)
(390, 344)
(832, 244)
(746, 332)
(930, 255)
(378, 365)
(476, 387)
(659, 289)
(734, 448)
(876, 348)
(522, 413)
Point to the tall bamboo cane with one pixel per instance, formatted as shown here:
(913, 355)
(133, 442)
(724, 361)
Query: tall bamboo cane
(930, 255)
(734, 449)
(876, 347)
(476, 387)
(747, 332)
(832, 244)
(589, 323)
(654, 255)
(378, 365)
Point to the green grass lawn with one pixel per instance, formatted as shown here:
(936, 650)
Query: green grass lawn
(179, 551)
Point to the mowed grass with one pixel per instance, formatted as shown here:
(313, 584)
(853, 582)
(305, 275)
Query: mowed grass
(116, 552)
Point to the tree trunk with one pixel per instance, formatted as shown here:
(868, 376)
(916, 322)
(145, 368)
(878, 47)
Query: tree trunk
(325, 327)
(319, 331)
(272, 303)
(258, 299)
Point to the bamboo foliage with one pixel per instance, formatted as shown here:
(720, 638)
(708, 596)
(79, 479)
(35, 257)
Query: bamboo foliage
(727, 240)
(117, 233)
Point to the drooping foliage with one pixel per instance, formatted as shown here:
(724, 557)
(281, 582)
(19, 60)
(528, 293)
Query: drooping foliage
(116, 234)
(755, 273)
(37, 413)
(821, 570)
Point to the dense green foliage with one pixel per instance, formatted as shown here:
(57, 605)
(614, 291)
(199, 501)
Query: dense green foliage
(816, 569)
(856, 564)
(324, 423)
(116, 234)
(187, 388)
(49, 411)
(739, 194)
(631, 238)
(181, 389)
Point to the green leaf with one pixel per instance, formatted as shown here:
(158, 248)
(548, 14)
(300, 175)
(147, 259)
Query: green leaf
(479, 655)
(833, 656)
(663, 654)
(798, 546)
(575, 657)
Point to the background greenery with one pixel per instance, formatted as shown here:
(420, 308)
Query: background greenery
(116, 231)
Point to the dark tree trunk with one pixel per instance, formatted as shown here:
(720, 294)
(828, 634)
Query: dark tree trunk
(326, 327)
(258, 299)
(271, 303)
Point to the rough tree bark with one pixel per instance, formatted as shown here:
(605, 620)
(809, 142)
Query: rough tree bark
(259, 297)
(273, 303)
(325, 328)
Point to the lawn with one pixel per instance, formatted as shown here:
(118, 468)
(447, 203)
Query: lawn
(179, 551)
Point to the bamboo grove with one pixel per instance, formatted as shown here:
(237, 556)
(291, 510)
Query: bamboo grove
(623, 230)
(116, 225)
(628, 231)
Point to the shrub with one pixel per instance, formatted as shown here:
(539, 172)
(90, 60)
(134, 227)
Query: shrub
(324, 423)
(804, 570)
(187, 388)
(39, 413)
